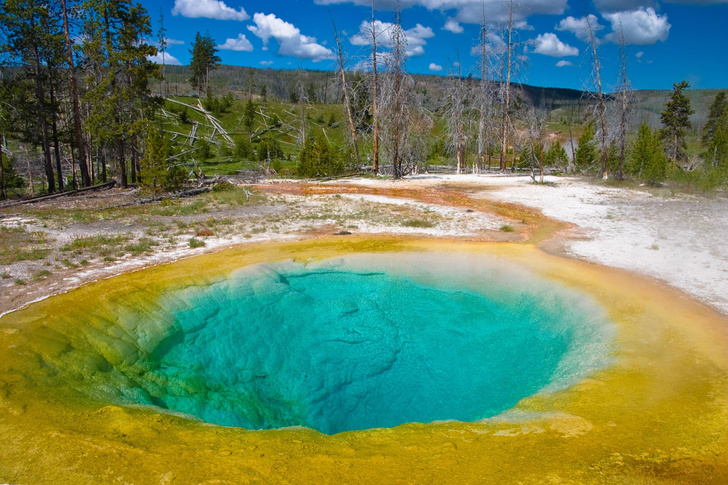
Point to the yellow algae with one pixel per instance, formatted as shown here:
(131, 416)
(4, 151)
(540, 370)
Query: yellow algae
(658, 414)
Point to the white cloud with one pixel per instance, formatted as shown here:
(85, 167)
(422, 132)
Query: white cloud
(563, 63)
(579, 26)
(169, 59)
(238, 44)
(610, 6)
(641, 27)
(468, 11)
(174, 41)
(435, 67)
(266, 63)
(453, 26)
(549, 44)
(209, 9)
(291, 42)
(639, 55)
(416, 36)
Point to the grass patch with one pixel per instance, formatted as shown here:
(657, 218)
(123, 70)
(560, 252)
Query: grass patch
(19, 282)
(422, 223)
(41, 275)
(16, 244)
(143, 245)
(101, 244)
(507, 228)
(5, 275)
(196, 243)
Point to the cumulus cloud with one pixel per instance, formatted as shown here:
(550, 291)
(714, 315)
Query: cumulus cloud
(610, 6)
(238, 44)
(453, 26)
(640, 27)
(435, 67)
(549, 44)
(168, 59)
(579, 27)
(416, 36)
(209, 9)
(468, 11)
(291, 42)
(266, 63)
(563, 63)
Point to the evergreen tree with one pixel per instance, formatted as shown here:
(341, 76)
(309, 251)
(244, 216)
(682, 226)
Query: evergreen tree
(718, 109)
(676, 119)
(556, 155)
(153, 164)
(204, 59)
(318, 160)
(31, 35)
(586, 152)
(717, 149)
(249, 115)
(648, 160)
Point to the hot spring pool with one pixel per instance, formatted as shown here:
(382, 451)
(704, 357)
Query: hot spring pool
(365, 341)
(499, 363)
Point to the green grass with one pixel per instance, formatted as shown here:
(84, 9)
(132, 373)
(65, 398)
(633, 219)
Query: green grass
(16, 244)
(143, 245)
(101, 244)
(421, 223)
(19, 282)
(196, 243)
(41, 275)
(507, 228)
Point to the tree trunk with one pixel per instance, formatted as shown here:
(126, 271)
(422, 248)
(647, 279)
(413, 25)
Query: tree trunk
(56, 148)
(43, 123)
(600, 98)
(375, 112)
(507, 107)
(347, 101)
(80, 146)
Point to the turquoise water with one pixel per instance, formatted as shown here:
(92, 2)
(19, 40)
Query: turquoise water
(367, 342)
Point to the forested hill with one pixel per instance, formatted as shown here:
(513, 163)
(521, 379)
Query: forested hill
(324, 86)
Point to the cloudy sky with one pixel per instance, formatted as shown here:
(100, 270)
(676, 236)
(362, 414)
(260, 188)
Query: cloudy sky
(667, 40)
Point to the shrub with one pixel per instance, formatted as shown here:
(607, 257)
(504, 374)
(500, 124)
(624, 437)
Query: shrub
(196, 243)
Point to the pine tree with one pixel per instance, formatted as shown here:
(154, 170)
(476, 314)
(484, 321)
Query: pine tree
(586, 152)
(153, 164)
(204, 59)
(717, 111)
(676, 119)
(249, 115)
(648, 160)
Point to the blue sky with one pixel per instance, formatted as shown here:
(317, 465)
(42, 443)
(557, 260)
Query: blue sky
(668, 41)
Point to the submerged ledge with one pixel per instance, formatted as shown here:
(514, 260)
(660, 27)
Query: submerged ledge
(658, 412)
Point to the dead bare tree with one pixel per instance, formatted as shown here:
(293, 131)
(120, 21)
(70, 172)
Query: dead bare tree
(601, 103)
(506, 86)
(456, 114)
(347, 100)
(395, 92)
(625, 99)
(375, 111)
(485, 98)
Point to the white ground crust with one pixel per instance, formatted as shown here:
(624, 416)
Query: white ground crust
(680, 240)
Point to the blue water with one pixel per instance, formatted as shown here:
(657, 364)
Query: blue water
(340, 347)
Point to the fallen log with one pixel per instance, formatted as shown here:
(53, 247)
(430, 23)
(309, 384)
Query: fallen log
(42, 198)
